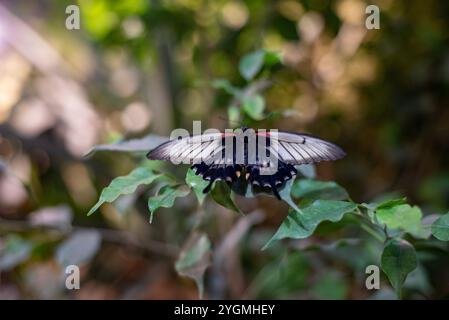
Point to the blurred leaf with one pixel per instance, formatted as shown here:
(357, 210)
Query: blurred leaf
(272, 58)
(166, 197)
(125, 185)
(427, 222)
(299, 226)
(225, 85)
(440, 228)
(197, 183)
(279, 279)
(307, 170)
(79, 248)
(234, 115)
(251, 64)
(254, 106)
(398, 260)
(144, 144)
(98, 17)
(15, 251)
(59, 217)
(221, 193)
(194, 259)
(314, 189)
(403, 217)
(330, 286)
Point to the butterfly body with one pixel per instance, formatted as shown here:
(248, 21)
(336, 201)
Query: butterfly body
(260, 159)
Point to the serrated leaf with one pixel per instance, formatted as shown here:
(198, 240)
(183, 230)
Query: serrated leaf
(221, 193)
(254, 106)
(403, 217)
(125, 185)
(300, 226)
(398, 260)
(440, 228)
(15, 251)
(197, 183)
(166, 197)
(144, 144)
(80, 247)
(251, 64)
(194, 259)
(314, 189)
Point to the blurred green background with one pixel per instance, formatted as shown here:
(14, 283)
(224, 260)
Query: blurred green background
(146, 67)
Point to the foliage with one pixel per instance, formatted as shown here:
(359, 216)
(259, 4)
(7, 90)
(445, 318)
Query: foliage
(322, 201)
(137, 69)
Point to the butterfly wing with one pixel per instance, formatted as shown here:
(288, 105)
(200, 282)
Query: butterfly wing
(299, 148)
(190, 150)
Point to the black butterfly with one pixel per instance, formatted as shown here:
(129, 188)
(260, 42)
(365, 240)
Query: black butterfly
(215, 156)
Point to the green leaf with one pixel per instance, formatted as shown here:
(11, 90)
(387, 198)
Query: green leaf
(384, 204)
(15, 251)
(125, 185)
(197, 183)
(254, 106)
(285, 194)
(403, 217)
(221, 193)
(166, 197)
(398, 260)
(194, 259)
(300, 226)
(391, 203)
(314, 189)
(440, 228)
(251, 64)
(225, 85)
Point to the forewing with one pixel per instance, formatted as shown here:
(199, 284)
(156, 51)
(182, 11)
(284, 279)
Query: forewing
(297, 148)
(190, 150)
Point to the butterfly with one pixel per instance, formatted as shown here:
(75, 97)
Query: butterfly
(264, 160)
